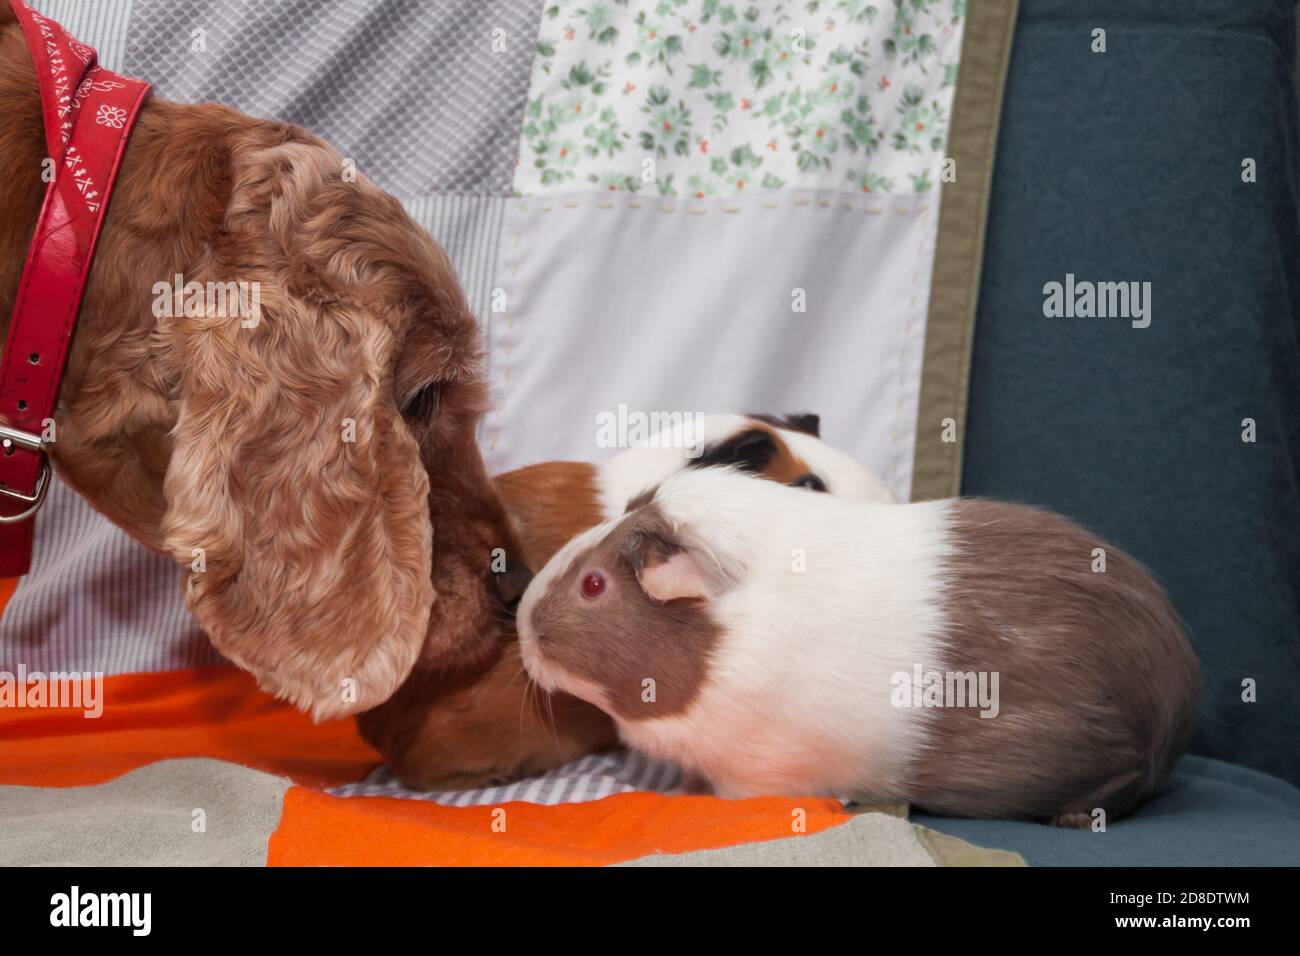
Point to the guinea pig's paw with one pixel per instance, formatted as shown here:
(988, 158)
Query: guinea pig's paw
(1071, 821)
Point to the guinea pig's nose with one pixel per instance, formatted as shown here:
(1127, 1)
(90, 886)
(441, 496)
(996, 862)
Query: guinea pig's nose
(512, 582)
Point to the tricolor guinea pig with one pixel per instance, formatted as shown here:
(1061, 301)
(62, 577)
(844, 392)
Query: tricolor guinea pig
(484, 724)
(555, 500)
(970, 657)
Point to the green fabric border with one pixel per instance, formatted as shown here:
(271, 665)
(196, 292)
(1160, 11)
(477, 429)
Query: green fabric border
(959, 255)
(943, 848)
(948, 850)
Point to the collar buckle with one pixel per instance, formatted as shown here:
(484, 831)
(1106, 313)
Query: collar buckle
(12, 439)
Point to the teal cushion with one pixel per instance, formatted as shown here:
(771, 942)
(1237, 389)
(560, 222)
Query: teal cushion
(1211, 814)
(1127, 165)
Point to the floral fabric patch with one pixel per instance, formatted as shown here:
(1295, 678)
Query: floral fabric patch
(701, 98)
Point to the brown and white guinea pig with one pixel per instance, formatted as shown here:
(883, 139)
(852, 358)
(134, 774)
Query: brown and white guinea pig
(486, 724)
(773, 642)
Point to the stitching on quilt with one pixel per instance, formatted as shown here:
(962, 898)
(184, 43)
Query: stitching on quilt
(912, 331)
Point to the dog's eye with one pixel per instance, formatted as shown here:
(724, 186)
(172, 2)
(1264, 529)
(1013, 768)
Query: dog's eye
(422, 405)
(809, 481)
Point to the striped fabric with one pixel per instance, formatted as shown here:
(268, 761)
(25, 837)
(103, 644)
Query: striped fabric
(591, 778)
(469, 229)
(103, 24)
(96, 600)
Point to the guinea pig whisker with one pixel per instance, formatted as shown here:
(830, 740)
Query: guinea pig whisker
(550, 722)
(524, 701)
(545, 713)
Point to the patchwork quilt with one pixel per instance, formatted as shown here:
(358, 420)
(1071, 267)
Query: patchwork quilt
(654, 206)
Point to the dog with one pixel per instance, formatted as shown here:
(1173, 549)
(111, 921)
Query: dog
(316, 475)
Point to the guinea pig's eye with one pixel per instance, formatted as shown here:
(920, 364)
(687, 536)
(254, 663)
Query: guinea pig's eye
(809, 481)
(593, 585)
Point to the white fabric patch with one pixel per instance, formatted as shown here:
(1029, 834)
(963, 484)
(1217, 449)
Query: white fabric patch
(616, 306)
(146, 817)
(867, 839)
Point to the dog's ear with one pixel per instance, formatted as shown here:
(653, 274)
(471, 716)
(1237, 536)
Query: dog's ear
(295, 496)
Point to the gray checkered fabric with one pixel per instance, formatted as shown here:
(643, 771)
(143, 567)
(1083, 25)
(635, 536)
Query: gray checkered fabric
(426, 95)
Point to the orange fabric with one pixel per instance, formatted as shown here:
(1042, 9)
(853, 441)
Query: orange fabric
(317, 829)
(7, 586)
(204, 712)
(219, 712)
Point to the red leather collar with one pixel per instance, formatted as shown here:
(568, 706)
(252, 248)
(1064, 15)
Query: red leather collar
(89, 113)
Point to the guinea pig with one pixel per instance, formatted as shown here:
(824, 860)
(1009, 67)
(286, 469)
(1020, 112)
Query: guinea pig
(970, 657)
(551, 502)
(485, 723)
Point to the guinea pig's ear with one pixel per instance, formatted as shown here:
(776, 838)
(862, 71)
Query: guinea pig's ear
(805, 422)
(668, 566)
(673, 577)
(750, 450)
